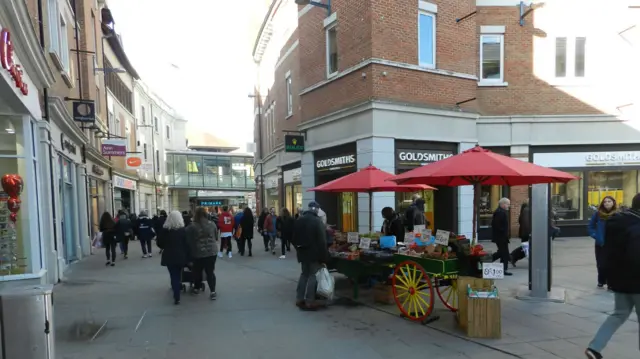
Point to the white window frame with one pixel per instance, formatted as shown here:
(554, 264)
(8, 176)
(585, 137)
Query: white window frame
(570, 59)
(64, 45)
(330, 24)
(289, 86)
(492, 31)
(54, 31)
(431, 14)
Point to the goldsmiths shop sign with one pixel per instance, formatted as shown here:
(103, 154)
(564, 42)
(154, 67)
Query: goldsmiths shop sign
(336, 163)
(417, 158)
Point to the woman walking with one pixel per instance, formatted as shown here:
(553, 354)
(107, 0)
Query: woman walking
(246, 227)
(524, 232)
(270, 229)
(284, 225)
(596, 228)
(202, 237)
(172, 239)
(261, 229)
(109, 237)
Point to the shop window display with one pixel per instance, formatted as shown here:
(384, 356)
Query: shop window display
(621, 185)
(489, 198)
(404, 200)
(567, 198)
(349, 211)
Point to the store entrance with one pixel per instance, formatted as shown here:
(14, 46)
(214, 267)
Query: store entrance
(341, 208)
(123, 201)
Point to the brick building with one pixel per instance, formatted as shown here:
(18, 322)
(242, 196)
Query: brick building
(401, 83)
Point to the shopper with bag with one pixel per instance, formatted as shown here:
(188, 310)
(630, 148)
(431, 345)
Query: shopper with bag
(270, 229)
(172, 239)
(309, 240)
(109, 237)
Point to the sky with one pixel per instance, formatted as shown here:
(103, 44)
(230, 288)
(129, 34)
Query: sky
(196, 55)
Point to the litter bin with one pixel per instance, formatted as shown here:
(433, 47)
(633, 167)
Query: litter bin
(26, 323)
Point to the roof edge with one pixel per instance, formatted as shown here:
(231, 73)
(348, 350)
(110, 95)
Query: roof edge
(264, 24)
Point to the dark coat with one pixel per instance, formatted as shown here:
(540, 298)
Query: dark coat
(175, 250)
(525, 223)
(622, 250)
(158, 223)
(500, 226)
(261, 219)
(109, 234)
(246, 223)
(146, 232)
(393, 227)
(309, 239)
(286, 227)
(124, 228)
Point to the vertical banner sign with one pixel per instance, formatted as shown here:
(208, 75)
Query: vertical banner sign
(114, 147)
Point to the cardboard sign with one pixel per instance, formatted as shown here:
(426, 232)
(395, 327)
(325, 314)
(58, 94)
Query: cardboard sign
(409, 238)
(418, 228)
(353, 237)
(442, 237)
(426, 235)
(492, 271)
(365, 243)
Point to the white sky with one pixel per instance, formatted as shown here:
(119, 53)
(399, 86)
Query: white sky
(210, 41)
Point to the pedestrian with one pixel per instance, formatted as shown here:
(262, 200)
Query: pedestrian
(237, 230)
(414, 215)
(134, 224)
(392, 225)
(596, 226)
(186, 217)
(158, 222)
(500, 233)
(524, 232)
(124, 232)
(202, 237)
(146, 233)
(270, 229)
(109, 237)
(246, 226)
(311, 248)
(226, 225)
(172, 239)
(261, 229)
(284, 226)
(622, 272)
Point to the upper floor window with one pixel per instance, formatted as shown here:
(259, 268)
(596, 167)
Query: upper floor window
(168, 130)
(289, 95)
(332, 50)
(570, 57)
(492, 58)
(426, 38)
(64, 46)
(155, 125)
(143, 115)
(54, 26)
(144, 151)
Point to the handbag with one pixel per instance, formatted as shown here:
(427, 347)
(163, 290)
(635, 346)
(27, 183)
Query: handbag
(97, 240)
(238, 233)
(326, 283)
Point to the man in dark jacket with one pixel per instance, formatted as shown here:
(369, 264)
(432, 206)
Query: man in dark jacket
(309, 239)
(500, 233)
(622, 271)
(146, 233)
(124, 232)
(414, 215)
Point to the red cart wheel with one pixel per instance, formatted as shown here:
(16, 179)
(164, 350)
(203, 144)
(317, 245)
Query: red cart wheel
(412, 291)
(447, 290)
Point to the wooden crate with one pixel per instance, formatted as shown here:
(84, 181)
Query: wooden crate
(463, 283)
(383, 294)
(484, 318)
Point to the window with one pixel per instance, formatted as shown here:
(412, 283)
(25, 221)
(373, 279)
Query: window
(110, 122)
(64, 46)
(289, 96)
(427, 39)
(570, 57)
(144, 151)
(168, 129)
(155, 124)
(157, 160)
(332, 50)
(54, 27)
(95, 39)
(98, 97)
(143, 115)
(492, 58)
(567, 198)
(621, 185)
(118, 130)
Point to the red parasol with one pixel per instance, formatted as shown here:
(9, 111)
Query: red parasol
(368, 180)
(478, 166)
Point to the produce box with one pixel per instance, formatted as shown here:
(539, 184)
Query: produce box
(484, 316)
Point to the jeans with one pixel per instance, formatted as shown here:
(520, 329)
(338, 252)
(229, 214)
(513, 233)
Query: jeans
(146, 246)
(272, 242)
(286, 246)
(175, 273)
(502, 253)
(110, 250)
(307, 283)
(208, 265)
(124, 245)
(600, 258)
(226, 243)
(265, 239)
(624, 304)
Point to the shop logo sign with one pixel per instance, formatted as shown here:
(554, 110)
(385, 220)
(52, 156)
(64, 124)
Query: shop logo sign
(419, 158)
(124, 183)
(114, 147)
(84, 111)
(209, 203)
(97, 170)
(67, 145)
(293, 143)
(336, 163)
(8, 63)
(612, 158)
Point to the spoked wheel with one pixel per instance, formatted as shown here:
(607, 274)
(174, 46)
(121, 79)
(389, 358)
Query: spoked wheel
(412, 291)
(448, 292)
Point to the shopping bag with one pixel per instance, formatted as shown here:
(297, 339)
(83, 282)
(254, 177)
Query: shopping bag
(525, 248)
(326, 283)
(97, 240)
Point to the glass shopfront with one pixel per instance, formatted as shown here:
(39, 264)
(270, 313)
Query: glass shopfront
(97, 203)
(331, 164)
(68, 202)
(440, 205)
(601, 174)
(124, 194)
(272, 193)
(292, 189)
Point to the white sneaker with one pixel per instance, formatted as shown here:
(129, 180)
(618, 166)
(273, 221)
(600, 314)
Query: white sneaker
(283, 257)
(229, 255)
(220, 255)
(144, 256)
(149, 255)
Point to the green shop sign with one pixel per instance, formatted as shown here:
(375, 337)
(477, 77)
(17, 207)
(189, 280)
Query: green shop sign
(293, 143)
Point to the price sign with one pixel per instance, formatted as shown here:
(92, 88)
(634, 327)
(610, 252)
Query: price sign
(365, 243)
(492, 271)
(409, 238)
(426, 235)
(353, 237)
(442, 237)
(418, 228)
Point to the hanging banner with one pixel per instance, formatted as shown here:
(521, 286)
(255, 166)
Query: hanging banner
(114, 147)
(135, 162)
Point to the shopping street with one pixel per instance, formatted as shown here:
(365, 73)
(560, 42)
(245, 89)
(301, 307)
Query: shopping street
(255, 316)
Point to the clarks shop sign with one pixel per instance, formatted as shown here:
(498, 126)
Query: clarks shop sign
(337, 163)
(417, 158)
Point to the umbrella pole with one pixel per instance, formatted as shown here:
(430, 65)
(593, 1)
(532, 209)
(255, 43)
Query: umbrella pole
(370, 212)
(476, 202)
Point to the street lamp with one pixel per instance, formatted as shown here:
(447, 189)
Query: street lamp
(326, 6)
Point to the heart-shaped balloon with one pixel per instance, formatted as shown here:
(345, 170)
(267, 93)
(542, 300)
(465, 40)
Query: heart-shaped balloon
(12, 184)
(13, 217)
(13, 204)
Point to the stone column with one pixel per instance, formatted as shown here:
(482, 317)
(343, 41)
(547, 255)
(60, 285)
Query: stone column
(307, 178)
(379, 152)
(44, 202)
(465, 203)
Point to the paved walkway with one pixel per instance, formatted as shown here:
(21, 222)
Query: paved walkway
(255, 317)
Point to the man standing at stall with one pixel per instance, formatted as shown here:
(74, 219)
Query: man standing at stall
(500, 233)
(309, 240)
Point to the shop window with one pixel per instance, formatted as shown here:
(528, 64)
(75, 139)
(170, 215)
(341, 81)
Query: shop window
(332, 50)
(404, 200)
(143, 115)
(427, 39)
(144, 151)
(492, 58)
(621, 185)
(489, 198)
(349, 201)
(288, 199)
(567, 198)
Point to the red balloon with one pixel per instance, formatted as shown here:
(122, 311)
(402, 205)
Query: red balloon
(12, 185)
(13, 217)
(14, 204)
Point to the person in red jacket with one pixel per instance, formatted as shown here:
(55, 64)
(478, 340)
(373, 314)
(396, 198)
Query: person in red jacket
(226, 225)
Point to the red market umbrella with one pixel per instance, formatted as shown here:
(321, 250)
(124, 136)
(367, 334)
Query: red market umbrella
(478, 166)
(368, 180)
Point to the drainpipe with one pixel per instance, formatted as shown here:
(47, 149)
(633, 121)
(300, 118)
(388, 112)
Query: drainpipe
(45, 94)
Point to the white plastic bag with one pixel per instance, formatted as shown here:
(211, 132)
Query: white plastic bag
(525, 248)
(97, 240)
(326, 283)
